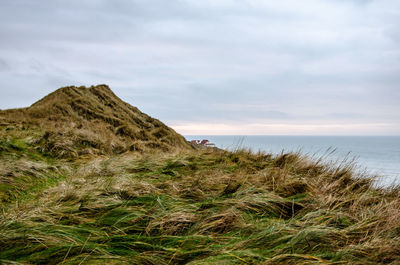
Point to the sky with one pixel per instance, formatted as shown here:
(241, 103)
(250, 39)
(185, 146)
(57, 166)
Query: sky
(209, 67)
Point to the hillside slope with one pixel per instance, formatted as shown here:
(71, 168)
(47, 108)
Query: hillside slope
(200, 207)
(70, 194)
(92, 120)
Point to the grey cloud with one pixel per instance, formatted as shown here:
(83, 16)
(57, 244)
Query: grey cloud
(358, 2)
(4, 66)
(190, 60)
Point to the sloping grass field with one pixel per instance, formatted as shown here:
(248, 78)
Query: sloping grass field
(191, 207)
(85, 178)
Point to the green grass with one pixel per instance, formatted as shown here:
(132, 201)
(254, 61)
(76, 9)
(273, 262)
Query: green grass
(26, 170)
(90, 182)
(200, 208)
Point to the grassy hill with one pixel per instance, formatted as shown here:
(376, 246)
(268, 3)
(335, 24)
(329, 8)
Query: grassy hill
(92, 120)
(73, 190)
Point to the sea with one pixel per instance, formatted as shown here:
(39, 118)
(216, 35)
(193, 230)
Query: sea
(370, 155)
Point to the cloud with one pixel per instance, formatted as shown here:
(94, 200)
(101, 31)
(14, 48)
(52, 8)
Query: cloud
(222, 61)
(286, 129)
(4, 66)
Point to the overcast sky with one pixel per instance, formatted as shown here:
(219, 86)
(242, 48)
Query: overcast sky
(311, 67)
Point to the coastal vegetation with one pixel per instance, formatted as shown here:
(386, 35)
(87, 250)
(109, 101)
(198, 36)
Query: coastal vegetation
(85, 178)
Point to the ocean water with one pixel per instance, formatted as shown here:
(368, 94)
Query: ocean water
(374, 155)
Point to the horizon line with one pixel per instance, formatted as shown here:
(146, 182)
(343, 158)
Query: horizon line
(308, 135)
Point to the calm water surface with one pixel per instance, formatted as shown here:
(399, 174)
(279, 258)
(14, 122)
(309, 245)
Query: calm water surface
(378, 155)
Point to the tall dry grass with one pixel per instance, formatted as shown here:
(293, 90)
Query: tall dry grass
(76, 121)
(88, 179)
(206, 207)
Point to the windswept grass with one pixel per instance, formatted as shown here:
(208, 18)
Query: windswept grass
(75, 121)
(86, 178)
(25, 169)
(205, 207)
